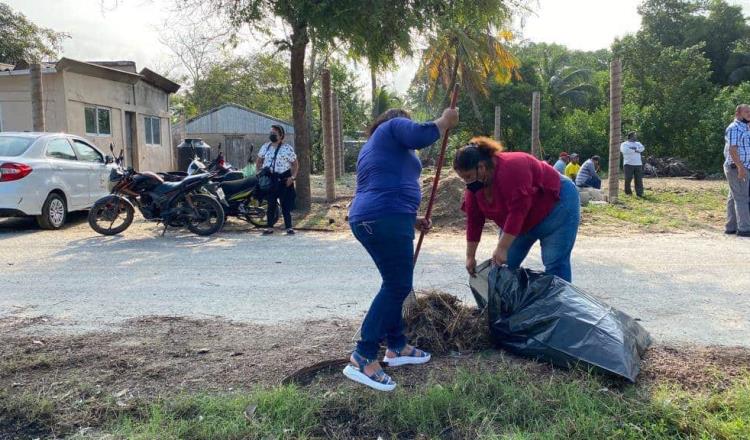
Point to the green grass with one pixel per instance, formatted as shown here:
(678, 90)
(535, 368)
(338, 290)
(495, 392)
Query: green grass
(666, 209)
(510, 403)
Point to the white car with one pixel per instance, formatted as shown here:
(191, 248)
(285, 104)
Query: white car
(48, 175)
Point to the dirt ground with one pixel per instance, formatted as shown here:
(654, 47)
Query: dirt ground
(158, 356)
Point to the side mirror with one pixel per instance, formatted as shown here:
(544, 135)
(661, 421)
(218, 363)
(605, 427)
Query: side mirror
(109, 159)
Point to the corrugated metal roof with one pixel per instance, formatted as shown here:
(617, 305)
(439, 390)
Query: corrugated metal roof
(234, 119)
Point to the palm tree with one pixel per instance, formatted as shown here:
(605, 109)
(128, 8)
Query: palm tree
(565, 85)
(470, 56)
(385, 100)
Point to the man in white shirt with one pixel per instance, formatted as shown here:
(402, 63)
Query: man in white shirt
(632, 163)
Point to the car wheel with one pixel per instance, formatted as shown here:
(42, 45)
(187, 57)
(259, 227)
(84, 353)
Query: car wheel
(54, 212)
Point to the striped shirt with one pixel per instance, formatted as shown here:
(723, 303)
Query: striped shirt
(737, 133)
(588, 169)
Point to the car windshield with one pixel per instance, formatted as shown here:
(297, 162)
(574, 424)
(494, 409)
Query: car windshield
(14, 145)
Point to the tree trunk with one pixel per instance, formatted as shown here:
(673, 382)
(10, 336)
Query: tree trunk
(299, 111)
(615, 127)
(374, 84)
(454, 79)
(309, 84)
(336, 121)
(535, 109)
(37, 98)
(498, 123)
(340, 126)
(329, 158)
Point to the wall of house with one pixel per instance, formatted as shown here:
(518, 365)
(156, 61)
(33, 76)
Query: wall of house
(15, 102)
(153, 102)
(84, 91)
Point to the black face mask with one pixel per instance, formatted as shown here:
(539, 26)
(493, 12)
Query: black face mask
(745, 121)
(475, 186)
(274, 137)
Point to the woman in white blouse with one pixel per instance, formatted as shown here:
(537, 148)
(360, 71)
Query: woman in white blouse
(280, 158)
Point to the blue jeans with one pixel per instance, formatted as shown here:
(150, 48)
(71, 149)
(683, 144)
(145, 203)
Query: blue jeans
(556, 233)
(593, 182)
(390, 242)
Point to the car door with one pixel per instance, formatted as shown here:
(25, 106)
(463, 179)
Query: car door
(99, 171)
(68, 172)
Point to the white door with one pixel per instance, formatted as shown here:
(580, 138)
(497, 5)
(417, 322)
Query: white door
(69, 172)
(99, 172)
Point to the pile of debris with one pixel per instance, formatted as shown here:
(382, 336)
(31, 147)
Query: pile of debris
(666, 167)
(440, 323)
(450, 195)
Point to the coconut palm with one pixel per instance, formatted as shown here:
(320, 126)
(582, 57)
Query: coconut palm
(385, 100)
(565, 85)
(469, 55)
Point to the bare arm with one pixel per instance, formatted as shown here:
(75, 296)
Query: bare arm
(295, 168)
(471, 257)
(734, 153)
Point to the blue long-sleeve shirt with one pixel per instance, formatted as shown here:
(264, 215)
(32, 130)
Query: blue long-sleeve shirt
(388, 170)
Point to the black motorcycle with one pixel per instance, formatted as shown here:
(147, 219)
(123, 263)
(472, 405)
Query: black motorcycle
(187, 203)
(240, 196)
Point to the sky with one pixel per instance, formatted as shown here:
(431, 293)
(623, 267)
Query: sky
(128, 29)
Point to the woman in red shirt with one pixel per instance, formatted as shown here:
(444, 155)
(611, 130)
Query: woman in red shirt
(526, 198)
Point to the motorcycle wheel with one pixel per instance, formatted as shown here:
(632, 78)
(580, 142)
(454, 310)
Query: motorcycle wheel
(110, 211)
(211, 215)
(256, 213)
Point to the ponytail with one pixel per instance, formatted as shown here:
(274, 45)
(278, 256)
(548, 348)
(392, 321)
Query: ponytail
(479, 149)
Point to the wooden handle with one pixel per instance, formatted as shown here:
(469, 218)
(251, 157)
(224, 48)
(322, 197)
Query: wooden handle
(439, 168)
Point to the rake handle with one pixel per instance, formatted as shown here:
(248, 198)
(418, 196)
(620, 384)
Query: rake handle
(439, 168)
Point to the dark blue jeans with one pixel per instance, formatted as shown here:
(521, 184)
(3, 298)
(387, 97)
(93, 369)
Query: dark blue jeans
(556, 233)
(593, 182)
(390, 243)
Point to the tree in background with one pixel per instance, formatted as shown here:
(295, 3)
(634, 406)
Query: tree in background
(260, 82)
(22, 40)
(469, 47)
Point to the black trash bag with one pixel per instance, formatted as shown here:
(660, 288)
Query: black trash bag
(541, 316)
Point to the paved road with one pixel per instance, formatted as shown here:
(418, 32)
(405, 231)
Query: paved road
(684, 288)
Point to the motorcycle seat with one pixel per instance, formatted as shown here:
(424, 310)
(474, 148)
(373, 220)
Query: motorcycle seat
(169, 186)
(235, 186)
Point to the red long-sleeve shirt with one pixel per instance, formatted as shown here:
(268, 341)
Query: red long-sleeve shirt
(524, 192)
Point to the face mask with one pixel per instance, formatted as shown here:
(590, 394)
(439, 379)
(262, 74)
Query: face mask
(475, 186)
(274, 137)
(745, 121)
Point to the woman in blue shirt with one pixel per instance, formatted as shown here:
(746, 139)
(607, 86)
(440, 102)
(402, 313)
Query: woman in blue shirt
(383, 217)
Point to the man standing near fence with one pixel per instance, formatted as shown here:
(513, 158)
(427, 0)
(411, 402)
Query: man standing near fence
(736, 166)
(632, 163)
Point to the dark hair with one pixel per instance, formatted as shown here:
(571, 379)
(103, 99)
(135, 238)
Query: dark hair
(631, 135)
(479, 149)
(280, 129)
(596, 158)
(386, 116)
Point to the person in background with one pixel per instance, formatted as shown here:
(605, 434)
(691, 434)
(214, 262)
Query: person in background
(736, 166)
(632, 163)
(383, 217)
(280, 158)
(587, 176)
(562, 162)
(571, 170)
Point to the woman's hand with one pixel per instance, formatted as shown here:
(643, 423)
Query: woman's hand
(447, 120)
(500, 256)
(423, 224)
(471, 266)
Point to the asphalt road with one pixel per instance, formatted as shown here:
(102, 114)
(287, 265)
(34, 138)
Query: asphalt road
(684, 288)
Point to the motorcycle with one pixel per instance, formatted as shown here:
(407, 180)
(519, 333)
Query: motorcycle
(240, 196)
(186, 203)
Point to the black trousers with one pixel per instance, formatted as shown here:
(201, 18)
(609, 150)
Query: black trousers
(637, 172)
(286, 196)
